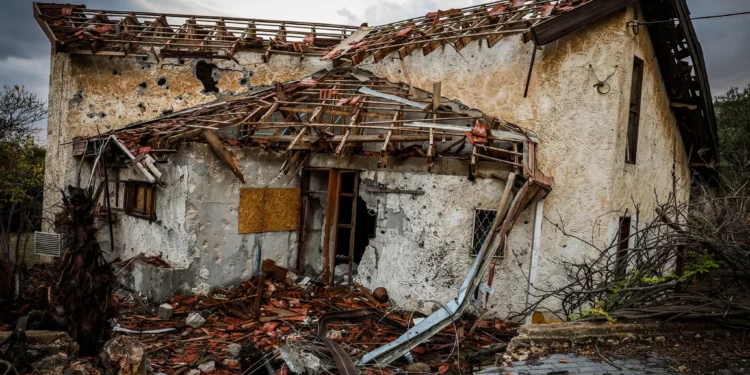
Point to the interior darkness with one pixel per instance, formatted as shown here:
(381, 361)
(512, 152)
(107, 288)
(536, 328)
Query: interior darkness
(204, 72)
(365, 230)
(363, 233)
(347, 182)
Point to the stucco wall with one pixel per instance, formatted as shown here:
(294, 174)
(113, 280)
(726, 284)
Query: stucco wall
(582, 132)
(97, 93)
(420, 250)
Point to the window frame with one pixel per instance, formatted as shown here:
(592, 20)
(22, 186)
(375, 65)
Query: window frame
(634, 111)
(500, 254)
(149, 201)
(624, 229)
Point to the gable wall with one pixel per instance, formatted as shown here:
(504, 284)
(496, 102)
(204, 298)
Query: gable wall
(582, 133)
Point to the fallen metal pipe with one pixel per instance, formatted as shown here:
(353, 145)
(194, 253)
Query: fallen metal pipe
(455, 308)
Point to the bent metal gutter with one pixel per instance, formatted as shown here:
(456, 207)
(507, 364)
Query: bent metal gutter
(455, 308)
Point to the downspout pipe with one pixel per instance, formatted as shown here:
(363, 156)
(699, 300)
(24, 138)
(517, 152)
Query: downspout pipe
(536, 246)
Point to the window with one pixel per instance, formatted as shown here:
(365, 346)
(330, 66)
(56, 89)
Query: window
(623, 239)
(635, 111)
(483, 220)
(140, 199)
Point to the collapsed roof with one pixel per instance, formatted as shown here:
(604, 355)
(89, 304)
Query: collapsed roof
(76, 29)
(340, 112)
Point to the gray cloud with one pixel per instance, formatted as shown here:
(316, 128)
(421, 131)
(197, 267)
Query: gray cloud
(724, 42)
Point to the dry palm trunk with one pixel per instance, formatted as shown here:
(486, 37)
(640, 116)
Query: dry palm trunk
(83, 298)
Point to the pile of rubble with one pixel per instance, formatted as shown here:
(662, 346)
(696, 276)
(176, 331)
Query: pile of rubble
(274, 324)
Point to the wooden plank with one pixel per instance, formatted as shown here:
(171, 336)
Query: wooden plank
(333, 178)
(224, 155)
(138, 165)
(384, 149)
(268, 210)
(354, 120)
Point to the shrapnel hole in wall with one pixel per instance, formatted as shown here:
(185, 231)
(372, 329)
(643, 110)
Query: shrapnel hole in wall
(205, 73)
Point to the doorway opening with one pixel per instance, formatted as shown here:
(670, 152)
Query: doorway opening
(343, 234)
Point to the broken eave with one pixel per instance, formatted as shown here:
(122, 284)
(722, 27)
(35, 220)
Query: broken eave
(684, 72)
(76, 29)
(341, 112)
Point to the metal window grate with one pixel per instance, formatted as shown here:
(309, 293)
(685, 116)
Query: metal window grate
(49, 244)
(483, 220)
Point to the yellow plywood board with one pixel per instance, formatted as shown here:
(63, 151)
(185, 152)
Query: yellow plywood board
(268, 210)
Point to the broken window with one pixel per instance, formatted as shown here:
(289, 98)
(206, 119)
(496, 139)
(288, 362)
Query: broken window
(140, 199)
(483, 220)
(623, 244)
(635, 111)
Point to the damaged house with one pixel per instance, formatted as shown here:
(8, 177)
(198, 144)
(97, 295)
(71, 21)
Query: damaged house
(437, 155)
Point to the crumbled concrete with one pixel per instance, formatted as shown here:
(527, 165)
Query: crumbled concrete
(195, 320)
(165, 311)
(124, 355)
(202, 289)
(207, 367)
(233, 350)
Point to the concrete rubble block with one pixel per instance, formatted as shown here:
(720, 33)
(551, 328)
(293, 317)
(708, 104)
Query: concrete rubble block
(300, 360)
(124, 355)
(202, 289)
(195, 320)
(165, 311)
(233, 350)
(207, 367)
(194, 371)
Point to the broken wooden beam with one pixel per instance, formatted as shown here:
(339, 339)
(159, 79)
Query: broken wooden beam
(224, 155)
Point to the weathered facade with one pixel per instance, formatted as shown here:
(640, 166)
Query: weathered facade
(419, 202)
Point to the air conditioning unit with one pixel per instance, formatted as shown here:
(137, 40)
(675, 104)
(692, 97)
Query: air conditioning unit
(49, 244)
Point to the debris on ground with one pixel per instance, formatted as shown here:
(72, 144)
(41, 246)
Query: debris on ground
(124, 355)
(274, 321)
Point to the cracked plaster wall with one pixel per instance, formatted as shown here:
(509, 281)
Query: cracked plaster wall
(582, 133)
(102, 93)
(422, 247)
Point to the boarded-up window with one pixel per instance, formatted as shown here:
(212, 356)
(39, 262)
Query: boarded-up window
(635, 111)
(140, 199)
(268, 210)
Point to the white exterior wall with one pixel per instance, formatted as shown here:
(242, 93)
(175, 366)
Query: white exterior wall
(582, 141)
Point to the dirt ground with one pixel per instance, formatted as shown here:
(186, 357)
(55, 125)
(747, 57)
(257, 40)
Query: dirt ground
(682, 355)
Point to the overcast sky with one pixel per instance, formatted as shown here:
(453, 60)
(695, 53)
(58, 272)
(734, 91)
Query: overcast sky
(24, 49)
